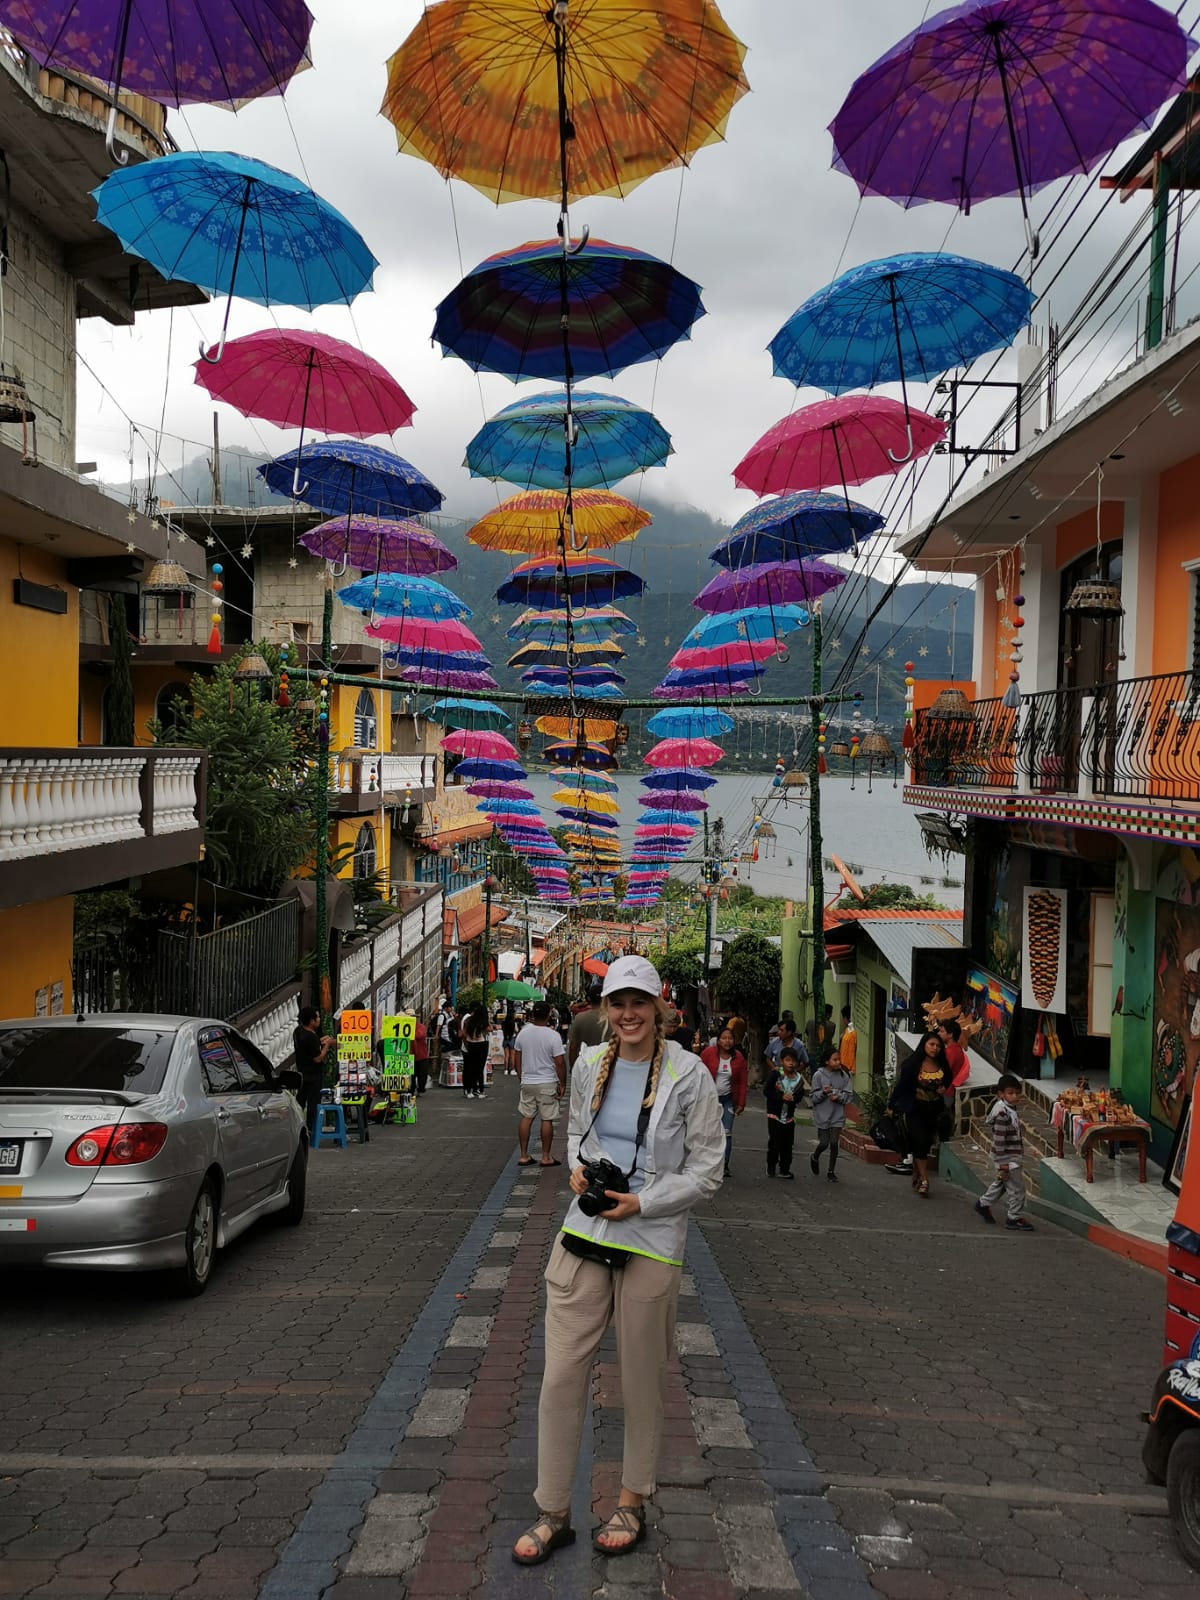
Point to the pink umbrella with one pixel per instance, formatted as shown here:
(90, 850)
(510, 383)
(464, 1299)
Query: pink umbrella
(842, 441)
(295, 379)
(418, 634)
(726, 655)
(773, 583)
(492, 789)
(684, 753)
(376, 545)
(485, 745)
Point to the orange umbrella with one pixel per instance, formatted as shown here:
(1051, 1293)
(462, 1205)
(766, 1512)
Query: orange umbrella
(482, 92)
(596, 729)
(531, 523)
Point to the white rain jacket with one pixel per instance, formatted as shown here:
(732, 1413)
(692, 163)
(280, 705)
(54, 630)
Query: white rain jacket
(683, 1156)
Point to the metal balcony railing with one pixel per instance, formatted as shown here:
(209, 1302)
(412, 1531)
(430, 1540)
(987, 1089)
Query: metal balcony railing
(974, 749)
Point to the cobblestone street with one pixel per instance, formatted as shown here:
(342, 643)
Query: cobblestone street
(874, 1395)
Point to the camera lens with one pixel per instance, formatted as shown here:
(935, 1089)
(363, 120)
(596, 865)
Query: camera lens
(590, 1204)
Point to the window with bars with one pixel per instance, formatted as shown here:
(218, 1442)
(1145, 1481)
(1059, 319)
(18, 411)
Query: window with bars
(365, 854)
(366, 723)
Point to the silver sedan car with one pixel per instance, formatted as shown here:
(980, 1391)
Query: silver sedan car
(139, 1143)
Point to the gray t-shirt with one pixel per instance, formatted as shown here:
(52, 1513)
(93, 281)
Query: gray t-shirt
(538, 1047)
(589, 1027)
(614, 1133)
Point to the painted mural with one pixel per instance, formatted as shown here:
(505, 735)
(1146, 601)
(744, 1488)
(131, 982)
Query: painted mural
(991, 1002)
(1003, 930)
(1176, 987)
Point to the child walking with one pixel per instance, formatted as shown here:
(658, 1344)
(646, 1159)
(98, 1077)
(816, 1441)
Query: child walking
(832, 1092)
(1008, 1150)
(784, 1090)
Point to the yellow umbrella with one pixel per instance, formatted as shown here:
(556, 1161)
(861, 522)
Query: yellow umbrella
(583, 800)
(530, 524)
(595, 728)
(483, 91)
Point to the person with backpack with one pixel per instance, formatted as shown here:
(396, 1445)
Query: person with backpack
(443, 1031)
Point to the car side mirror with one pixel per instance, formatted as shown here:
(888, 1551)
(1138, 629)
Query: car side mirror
(289, 1079)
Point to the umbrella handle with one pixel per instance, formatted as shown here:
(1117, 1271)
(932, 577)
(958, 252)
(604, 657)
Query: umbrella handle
(340, 568)
(574, 249)
(213, 360)
(783, 655)
(755, 689)
(298, 488)
(119, 158)
(909, 448)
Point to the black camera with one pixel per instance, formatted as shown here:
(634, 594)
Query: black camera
(601, 1175)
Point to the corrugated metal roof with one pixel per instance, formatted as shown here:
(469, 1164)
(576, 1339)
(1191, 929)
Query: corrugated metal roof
(896, 940)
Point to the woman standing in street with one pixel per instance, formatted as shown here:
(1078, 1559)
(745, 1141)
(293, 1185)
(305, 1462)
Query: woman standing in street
(919, 1101)
(474, 1035)
(728, 1067)
(645, 1142)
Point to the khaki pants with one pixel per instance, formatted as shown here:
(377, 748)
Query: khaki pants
(582, 1297)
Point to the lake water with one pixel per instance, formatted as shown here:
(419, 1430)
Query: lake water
(874, 833)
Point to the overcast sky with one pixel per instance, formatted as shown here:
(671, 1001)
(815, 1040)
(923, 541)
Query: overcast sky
(763, 222)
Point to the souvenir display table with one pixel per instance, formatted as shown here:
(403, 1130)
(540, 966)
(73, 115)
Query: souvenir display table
(1089, 1120)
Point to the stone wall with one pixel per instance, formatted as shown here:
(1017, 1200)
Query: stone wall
(39, 337)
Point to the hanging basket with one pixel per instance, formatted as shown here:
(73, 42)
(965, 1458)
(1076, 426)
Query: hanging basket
(167, 577)
(795, 779)
(841, 748)
(950, 705)
(1095, 597)
(878, 747)
(252, 669)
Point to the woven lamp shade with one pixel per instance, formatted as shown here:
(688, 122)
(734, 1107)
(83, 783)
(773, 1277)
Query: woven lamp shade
(878, 746)
(1095, 597)
(795, 779)
(951, 703)
(841, 748)
(166, 577)
(252, 669)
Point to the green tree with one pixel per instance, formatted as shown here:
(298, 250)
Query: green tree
(119, 729)
(259, 816)
(885, 896)
(681, 964)
(748, 983)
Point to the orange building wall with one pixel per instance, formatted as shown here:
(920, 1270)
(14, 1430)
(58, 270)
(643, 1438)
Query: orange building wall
(926, 690)
(37, 943)
(1178, 541)
(1077, 535)
(41, 704)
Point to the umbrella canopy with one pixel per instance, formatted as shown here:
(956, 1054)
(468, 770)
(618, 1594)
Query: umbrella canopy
(999, 97)
(422, 633)
(903, 317)
(681, 778)
(773, 583)
(718, 692)
(375, 545)
(588, 625)
(492, 789)
(688, 725)
(388, 594)
(524, 443)
(674, 801)
(792, 527)
(438, 678)
(513, 989)
(580, 779)
(719, 681)
(601, 804)
(475, 91)
(532, 523)
(846, 440)
(684, 753)
(714, 659)
(434, 661)
(594, 729)
(235, 227)
(347, 475)
(592, 579)
(468, 742)
(587, 653)
(469, 714)
(664, 818)
(472, 768)
(300, 380)
(506, 315)
(502, 812)
(753, 624)
(580, 814)
(588, 689)
(566, 753)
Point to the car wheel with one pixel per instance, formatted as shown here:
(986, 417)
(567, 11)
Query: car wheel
(200, 1243)
(1183, 1493)
(297, 1183)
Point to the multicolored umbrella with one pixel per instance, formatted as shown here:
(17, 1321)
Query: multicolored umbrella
(435, 661)
(473, 768)
(525, 443)
(771, 584)
(588, 625)
(585, 652)
(695, 694)
(419, 633)
(593, 580)
(469, 714)
(579, 814)
(678, 779)
(532, 524)
(493, 789)
(483, 93)
(581, 779)
(506, 315)
(749, 624)
(469, 742)
(566, 753)
(375, 545)
(674, 801)
(684, 753)
(348, 476)
(792, 527)
(717, 679)
(846, 440)
(594, 729)
(389, 594)
(1000, 97)
(715, 659)
(235, 227)
(428, 676)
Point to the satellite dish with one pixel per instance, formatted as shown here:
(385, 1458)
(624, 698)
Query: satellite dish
(847, 877)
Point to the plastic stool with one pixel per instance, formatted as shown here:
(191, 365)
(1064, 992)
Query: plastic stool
(335, 1135)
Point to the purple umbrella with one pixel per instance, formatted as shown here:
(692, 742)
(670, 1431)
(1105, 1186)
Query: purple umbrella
(433, 679)
(773, 583)
(375, 545)
(702, 694)
(999, 97)
(494, 789)
(673, 801)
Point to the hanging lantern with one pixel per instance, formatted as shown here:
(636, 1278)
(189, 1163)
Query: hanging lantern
(877, 746)
(1095, 597)
(950, 705)
(524, 735)
(167, 577)
(839, 748)
(252, 669)
(622, 738)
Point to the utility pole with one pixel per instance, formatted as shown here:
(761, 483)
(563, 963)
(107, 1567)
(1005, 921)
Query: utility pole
(324, 985)
(1156, 301)
(490, 885)
(216, 468)
(816, 865)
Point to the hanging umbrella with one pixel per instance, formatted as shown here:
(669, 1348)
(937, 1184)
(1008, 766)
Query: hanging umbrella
(472, 768)
(435, 661)
(591, 579)
(770, 584)
(566, 753)
(594, 729)
(682, 778)
(674, 802)
(297, 380)
(550, 689)
(719, 679)
(715, 659)
(900, 318)
(754, 624)
(437, 679)
(695, 694)
(524, 443)
(583, 677)
(688, 725)
(601, 804)
(792, 527)
(468, 714)
(505, 814)
(506, 315)
(577, 814)
(847, 440)
(597, 782)
(235, 227)
(221, 52)
(491, 789)
(375, 545)
(684, 753)
(531, 524)
(468, 742)
(587, 653)
(349, 476)
(483, 93)
(388, 594)
(1000, 97)
(588, 625)
(447, 636)
(665, 819)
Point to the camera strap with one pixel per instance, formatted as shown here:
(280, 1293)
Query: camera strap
(643, 1121)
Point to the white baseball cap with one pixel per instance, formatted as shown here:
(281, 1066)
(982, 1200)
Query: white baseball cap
(632, 972)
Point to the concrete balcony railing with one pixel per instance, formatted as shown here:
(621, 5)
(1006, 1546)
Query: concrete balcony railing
(71, 819)
(365, 782)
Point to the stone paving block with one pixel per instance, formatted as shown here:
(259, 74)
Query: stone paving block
(719, 1424)
(694, 1339)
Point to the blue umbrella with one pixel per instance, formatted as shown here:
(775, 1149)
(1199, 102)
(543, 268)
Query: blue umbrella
(792, 527)
(601, 824)
(346, 475)
(234, 226)
(685, 724)
(476, 767)
(473, 714)
(513, 808)
(582, 691)
(670, 819)
(904, 317)
(392, 594)
(524, 443)
(435, 661)
(681, 778)
(718, 678)
(755, 624)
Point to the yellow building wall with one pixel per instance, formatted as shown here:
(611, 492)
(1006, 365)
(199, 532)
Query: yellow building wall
(36, 940)
(41, 706)
(91, 702)
(343, 698)
(344, 832)
(147, 681)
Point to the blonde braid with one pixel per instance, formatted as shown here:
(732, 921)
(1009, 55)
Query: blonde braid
(606, 1066)
(660, 1048)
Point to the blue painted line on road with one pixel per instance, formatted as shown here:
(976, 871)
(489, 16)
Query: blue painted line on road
(308, 1565)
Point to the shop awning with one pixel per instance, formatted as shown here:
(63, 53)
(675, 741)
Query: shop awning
(434, 842)
(470, 923)
(595, 966)
(536, 958)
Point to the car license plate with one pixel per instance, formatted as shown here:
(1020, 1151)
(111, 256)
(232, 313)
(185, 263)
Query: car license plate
(10, 1155)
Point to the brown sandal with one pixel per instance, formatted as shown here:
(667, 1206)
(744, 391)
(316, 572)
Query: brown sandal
(625, 1519)
(923, 1188)
(561, 1533)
